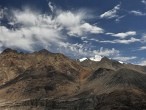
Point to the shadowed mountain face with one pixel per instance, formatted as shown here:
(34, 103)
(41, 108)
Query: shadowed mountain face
(51, 81)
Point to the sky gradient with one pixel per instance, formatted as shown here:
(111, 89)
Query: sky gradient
(77, 28)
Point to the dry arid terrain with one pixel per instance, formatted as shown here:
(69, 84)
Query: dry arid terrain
(51, 81)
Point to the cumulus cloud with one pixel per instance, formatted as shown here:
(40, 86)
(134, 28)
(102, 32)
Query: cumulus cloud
(111, 13)
(35, 30)
(123, 35)
(75, 25)
(84, 28)
(137, 13)
(26, 17)
(122, 41)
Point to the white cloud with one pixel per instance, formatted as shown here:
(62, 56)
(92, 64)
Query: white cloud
(109, 33)
(119, 18)
(137, 13)
(144, 2)
(122, 41)
(142, 48)
(113, 54)
(76, 25)
(2, 12)
(106, 52)
(125, 59)
(123, 35)
(131, 40)
(93, 39)
(143, 38)
(143, 63)
(69, 19)
(90, 28)
(82, 50)
(51, 6)
(111, 13)
(36, 30)
(84, 28)
(26, 17)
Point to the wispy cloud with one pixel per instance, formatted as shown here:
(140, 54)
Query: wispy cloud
(143, 63)
(107, 52)
(75, 24)
(144, 38)
(125, 59)
(51, 6)
(118, 19)
(32, 30)
(144, 2)
(80, 30)
(3, 12)
(142, 48)
(111, 13)
(125, 38)
(82, 50)
(137, 13)
(123, 35)
(122, 41)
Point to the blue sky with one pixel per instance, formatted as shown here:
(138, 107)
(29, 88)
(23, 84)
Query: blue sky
(77, 28)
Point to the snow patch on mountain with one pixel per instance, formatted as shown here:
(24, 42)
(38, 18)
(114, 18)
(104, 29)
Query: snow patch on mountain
(82, 59)
(121, 62)
(96, 58)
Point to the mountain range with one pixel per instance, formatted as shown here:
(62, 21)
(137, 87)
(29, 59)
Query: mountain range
(52, 81)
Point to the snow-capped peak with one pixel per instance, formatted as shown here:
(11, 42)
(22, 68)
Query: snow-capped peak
(95, 58)
(121, 62)
(82, 59)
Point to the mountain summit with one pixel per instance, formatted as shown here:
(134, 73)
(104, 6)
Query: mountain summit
(8, 50)
(51, 81)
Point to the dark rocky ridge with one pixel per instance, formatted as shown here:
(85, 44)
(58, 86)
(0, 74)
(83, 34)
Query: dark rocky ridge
(51, 81)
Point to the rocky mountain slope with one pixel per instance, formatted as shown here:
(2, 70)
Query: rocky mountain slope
(51, 81)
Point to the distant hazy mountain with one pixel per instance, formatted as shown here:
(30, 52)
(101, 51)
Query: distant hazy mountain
(51, 81)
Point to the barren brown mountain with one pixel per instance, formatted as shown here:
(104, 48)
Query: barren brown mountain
(51, 81)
